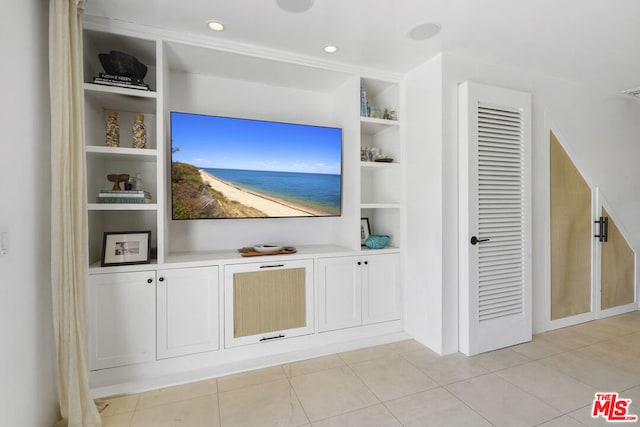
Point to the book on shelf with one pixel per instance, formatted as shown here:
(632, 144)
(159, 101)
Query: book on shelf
(119, 83)
(124, 193)
(137, 200)
(123, 196)
(125, 79)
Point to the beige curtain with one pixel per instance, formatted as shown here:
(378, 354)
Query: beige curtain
(69, 259)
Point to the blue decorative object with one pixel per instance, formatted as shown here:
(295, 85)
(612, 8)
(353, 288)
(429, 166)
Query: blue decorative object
(376, 241)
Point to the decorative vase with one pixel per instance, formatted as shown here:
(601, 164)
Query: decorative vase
(139, 132)
(137, 182)
(112, 134)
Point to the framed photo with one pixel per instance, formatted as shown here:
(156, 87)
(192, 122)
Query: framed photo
(365, 230)
(126, 248)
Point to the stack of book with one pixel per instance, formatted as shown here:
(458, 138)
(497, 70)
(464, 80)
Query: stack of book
(120, 81)
(123, 196)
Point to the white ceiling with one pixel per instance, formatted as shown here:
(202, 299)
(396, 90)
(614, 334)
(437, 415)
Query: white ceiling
(593, 42)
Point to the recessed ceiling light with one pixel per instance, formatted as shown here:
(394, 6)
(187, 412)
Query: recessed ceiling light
(330, 49)
(635, 92)
(424, 31)
(295, 6)
(215, 25)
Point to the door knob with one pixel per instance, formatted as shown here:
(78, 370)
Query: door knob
(475, 240)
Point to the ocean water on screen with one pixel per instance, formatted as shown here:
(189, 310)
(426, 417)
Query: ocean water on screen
(317, 191)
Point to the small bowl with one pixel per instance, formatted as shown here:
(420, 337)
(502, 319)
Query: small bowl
(268, 247)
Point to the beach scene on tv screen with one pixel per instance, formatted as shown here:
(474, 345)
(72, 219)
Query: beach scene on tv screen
(224, 167)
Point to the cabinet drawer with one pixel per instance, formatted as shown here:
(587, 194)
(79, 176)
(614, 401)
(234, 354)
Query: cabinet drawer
(267, 301)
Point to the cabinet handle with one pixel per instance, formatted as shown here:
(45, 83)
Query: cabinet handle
(604, 229)
(271, 338)
(149, 280)
(272, 266)
(366, 263)
(161, 279)
(359, 262)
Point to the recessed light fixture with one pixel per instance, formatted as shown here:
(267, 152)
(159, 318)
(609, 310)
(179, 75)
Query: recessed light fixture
(635, 92)
(295, 6)
(424, 31)
(215, 25)
(330, 49)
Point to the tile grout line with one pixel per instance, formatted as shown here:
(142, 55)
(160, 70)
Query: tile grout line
(557, 418)
(467, 405)
(219, 408)
(381, 402)
(566, 373)
(348, 412)
(292, 389)
(562, 413)
(493, 373)
(346, 365)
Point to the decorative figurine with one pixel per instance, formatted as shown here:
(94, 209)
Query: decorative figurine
(117, 179)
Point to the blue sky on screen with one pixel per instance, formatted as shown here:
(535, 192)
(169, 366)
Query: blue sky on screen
(229, 143)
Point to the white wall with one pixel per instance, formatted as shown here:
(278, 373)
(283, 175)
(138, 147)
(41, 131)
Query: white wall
(27, 389)
(203, 94)
(424, 215)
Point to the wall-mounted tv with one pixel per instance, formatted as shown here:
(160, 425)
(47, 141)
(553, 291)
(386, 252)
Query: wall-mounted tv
(225, 167)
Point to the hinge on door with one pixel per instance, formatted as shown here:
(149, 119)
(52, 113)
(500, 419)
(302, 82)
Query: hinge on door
(604, 228)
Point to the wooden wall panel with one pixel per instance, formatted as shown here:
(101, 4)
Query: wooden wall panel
(618, 270)
(267, 301)
(571, 235)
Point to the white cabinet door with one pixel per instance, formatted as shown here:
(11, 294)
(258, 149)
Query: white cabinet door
(381, 288)
(187, 310)
(339, 293)
(359, 290)
(122, 319)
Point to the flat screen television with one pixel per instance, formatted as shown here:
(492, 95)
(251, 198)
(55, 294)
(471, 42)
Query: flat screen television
(225, 167)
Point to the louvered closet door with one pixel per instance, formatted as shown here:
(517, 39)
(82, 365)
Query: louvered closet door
(495, 255)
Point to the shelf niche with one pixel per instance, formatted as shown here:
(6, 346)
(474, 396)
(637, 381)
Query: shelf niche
(262, 89)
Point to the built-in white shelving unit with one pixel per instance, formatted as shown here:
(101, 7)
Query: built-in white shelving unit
(381, 182)
(103, 160)
(190, 257)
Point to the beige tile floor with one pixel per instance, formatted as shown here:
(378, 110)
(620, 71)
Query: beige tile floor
(550, 381)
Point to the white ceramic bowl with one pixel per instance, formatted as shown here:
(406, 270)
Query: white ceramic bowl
(268, 247)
